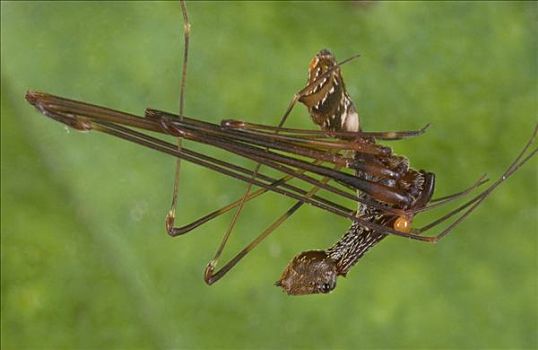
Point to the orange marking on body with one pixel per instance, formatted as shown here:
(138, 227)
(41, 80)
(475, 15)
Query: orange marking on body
(403, 224)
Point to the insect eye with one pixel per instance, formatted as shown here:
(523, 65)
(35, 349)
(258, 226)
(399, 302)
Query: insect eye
(326, 288)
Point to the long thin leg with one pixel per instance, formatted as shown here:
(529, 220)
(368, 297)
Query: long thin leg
(295, 144)
(381, 135)
(213, 262)
(208, 274)
(473, 203)
(225, 168)
(211, 277)
(434, 204)
(216, 213)
(214, 164)
(171, 216)
(79, 114)
(86, 117)
(170, 219)
(469, 206)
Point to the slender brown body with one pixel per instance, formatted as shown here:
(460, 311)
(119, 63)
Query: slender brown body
(331, 107)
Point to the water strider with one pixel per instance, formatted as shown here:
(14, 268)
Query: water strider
(388, 190)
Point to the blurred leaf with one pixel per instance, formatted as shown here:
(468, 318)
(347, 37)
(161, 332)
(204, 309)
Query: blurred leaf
(85, 259)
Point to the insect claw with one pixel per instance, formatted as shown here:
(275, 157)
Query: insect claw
(169, 222)
(36, 99)
(46, 105)
(208, 272)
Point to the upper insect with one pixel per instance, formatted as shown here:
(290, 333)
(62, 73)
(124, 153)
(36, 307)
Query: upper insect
(327, 101)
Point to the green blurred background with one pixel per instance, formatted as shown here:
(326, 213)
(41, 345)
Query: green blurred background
(86, 262)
